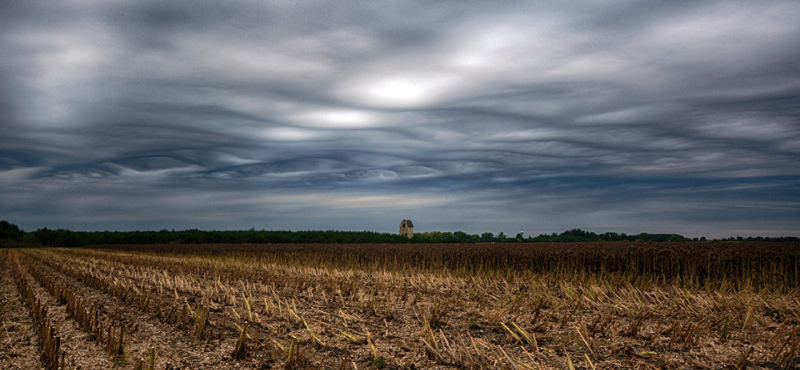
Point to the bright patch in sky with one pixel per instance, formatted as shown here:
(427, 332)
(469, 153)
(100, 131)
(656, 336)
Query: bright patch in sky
(289, 134)
(403, 91)
(342, 119)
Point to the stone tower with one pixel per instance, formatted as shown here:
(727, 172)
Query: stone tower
(407, 228)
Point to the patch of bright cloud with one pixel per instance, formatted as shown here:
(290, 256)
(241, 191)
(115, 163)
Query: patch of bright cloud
(400, 91)
(338, 119)
(290, 134)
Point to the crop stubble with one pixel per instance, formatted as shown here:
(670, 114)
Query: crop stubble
(603, 305)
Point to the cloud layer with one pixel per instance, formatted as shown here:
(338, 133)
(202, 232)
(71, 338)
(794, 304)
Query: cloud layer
(612, 115)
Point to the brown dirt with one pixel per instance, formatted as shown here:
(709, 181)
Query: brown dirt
(82, 352)
(19, 347)
(173, 347)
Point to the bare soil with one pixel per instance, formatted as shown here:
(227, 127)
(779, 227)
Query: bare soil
(19, 347)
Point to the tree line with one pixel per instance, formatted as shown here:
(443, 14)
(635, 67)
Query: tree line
(12, 235)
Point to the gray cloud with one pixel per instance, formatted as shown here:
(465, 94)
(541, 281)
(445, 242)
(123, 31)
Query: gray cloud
(624, 115)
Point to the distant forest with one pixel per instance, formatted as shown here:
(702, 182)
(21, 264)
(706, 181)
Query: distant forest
(12, 235)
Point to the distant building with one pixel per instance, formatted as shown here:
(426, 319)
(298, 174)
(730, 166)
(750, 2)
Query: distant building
(407, 228)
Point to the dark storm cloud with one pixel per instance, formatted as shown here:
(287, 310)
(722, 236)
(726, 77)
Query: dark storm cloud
(624, 115)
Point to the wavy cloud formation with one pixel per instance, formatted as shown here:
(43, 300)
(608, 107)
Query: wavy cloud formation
(623, 115)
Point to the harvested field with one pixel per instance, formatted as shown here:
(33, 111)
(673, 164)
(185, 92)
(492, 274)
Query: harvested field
(404, 306)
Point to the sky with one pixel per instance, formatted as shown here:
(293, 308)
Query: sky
(540, 116)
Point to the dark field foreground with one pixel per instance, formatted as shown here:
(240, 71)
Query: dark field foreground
(403, 306)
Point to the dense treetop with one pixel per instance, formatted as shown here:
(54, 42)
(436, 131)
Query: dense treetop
(12, 235)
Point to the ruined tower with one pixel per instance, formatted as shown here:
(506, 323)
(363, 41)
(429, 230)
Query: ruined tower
(407, 228)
